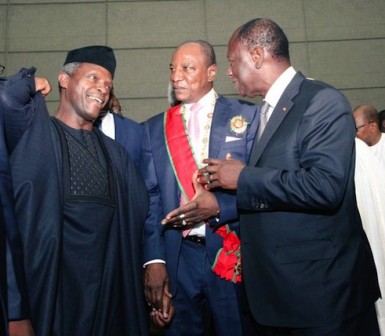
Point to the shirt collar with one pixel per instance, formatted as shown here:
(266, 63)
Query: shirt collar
(276, 90)
(206, 100)
(108, 125)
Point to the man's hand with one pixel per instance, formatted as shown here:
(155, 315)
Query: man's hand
(155, 284)
(220, 173)
(157, 294)
(159, 318)
(203, 206)
(43, 85)
(20, 328)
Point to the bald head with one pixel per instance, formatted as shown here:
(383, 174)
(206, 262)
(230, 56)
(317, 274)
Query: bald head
(206, 48)
(366, 119)
(192, 71)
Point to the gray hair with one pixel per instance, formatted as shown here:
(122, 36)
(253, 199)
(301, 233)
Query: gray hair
(171, 98)
(70, 68)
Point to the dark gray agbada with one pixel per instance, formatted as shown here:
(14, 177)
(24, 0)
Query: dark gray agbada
(80, 205)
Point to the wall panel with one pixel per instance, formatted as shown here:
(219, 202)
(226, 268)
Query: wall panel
(339, 42)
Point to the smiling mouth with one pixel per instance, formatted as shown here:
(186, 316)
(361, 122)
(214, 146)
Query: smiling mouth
(98, 100)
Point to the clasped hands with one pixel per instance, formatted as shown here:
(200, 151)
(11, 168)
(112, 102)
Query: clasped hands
(216, 174)
(158, 295)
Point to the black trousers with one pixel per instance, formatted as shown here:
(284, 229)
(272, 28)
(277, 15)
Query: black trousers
(365, 324)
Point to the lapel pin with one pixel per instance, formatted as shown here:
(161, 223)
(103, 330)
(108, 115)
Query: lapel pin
(284, 109)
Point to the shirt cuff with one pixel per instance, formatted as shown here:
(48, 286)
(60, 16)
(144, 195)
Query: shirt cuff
(155, 261)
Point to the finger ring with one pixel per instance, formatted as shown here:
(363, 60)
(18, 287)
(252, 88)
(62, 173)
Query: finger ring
(208, 182)
(184, 222)
(182, 216)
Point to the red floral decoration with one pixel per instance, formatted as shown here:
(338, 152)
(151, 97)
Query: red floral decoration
(228, 260)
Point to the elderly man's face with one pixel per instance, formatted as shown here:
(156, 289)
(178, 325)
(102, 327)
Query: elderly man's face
(86, 91)
(190, 75)
(364, 128)
(242, 70)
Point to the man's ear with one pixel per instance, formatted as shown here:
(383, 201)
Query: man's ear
(212, 72)
(258, 55)
(63, 80)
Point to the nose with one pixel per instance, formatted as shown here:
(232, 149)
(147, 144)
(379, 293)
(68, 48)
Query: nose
(229, 72)
(175, 75)
(101, 87)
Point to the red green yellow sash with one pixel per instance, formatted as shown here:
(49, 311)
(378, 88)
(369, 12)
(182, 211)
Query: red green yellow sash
(228, 260)
(179, 151)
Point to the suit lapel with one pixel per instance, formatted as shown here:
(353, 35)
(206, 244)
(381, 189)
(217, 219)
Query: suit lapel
(218, 133)
(284, 105)
(118, 129)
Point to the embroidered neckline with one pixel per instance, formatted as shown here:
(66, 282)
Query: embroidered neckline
(206, 132)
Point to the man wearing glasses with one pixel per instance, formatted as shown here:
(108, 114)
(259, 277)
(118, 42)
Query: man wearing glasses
(366, 119)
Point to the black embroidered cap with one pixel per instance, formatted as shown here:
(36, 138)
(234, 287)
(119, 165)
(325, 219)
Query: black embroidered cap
(99, 55)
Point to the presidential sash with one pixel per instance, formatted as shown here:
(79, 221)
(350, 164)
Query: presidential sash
(179, 151)
(227, 264)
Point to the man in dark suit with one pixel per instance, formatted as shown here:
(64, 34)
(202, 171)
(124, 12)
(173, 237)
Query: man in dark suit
(127, 132)
(307, 264)
(179, 256)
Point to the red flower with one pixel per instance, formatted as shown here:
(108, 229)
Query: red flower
(228, 260)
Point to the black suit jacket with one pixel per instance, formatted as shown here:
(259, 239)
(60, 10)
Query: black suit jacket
(306, 259)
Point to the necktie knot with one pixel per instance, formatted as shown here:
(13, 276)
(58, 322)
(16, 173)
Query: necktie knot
(195, 107)
(193, 122)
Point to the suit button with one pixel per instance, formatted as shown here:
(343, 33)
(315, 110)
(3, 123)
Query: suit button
(262, 206)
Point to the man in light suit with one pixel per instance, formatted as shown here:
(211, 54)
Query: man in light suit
(178, 262)
(307, 264)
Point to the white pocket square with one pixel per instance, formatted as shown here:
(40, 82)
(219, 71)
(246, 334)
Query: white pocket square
(230, 138)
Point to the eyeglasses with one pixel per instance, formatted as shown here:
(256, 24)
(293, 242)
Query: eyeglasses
(2, 68)
(358, 127)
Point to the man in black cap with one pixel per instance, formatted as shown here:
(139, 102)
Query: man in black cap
(80, 203)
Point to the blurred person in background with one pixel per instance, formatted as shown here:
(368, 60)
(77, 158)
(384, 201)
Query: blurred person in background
(368, 130)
